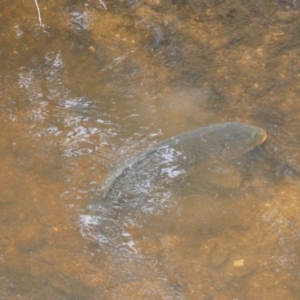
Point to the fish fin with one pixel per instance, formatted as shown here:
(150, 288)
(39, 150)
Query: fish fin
(219, 174)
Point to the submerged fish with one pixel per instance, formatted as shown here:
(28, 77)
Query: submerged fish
(209, 145)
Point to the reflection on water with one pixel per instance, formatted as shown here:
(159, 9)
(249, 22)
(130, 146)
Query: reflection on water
(94, 86)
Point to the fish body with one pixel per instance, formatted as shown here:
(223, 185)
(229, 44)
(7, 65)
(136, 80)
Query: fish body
(211, 144)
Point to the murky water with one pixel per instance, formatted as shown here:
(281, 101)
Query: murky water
(101, 81)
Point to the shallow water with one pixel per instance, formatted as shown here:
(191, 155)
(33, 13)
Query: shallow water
(97, 84)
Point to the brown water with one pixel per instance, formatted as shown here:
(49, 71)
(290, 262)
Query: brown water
(93, 86)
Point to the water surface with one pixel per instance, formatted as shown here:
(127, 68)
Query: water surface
(97, 84)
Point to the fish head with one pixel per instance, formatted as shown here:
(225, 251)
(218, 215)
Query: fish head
(253, 136)
(238, 138)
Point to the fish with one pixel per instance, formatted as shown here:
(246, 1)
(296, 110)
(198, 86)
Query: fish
(213, 145)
